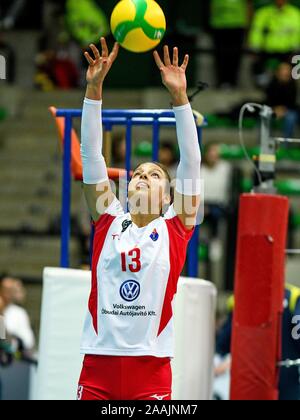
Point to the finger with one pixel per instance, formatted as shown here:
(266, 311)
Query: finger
(89, 59)
(95, 51)
(175, 57)
(115, 51)
(185, 62)
(167, 59)
(104, 47)
(158, 61)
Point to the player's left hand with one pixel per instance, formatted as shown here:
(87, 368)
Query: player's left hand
(173, 75)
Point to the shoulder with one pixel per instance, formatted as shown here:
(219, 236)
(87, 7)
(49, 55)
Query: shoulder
(292, 9)
(175, 225)
(113, 212)
(225, 167)
(15, 312)
(264, 11)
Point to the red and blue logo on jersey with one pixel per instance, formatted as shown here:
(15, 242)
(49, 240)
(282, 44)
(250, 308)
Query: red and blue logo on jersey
(154, 235)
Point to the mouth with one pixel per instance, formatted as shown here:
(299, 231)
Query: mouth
(142, 185)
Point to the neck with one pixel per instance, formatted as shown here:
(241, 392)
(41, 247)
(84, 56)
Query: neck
(211, 165)
(142, 220)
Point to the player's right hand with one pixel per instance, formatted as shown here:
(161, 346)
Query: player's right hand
(100, 65)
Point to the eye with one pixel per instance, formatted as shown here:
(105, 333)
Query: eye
(155, 175)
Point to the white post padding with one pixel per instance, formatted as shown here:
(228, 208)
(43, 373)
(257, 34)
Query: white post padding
(194, 313)
(64, 306)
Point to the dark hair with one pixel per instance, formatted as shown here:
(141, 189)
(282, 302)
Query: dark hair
(166, 172)
(117, 140)
(170, 146)
(3, 276)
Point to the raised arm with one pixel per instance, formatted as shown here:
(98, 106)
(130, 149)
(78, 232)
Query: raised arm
(187, 190)
(97, 188)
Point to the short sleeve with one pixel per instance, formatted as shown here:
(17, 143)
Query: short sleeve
(174, 221)
(113, 211)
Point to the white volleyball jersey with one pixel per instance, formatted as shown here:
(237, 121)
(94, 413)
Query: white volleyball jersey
(135, 272)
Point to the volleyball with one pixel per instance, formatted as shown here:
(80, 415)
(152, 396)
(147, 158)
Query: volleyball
(138, 25)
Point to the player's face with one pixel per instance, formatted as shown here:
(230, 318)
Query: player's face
(147, 191)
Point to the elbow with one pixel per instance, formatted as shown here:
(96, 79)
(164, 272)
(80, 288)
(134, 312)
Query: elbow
(195, 161)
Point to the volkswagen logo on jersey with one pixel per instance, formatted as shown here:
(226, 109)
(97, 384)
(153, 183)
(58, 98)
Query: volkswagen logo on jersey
(154, 235)
(130, 290)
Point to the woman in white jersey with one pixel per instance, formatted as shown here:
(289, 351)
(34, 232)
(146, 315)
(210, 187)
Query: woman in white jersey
(137, 256)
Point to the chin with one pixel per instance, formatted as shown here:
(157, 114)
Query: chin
(142, 192)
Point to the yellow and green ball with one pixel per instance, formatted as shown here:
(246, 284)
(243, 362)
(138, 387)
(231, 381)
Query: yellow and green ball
(138, 25)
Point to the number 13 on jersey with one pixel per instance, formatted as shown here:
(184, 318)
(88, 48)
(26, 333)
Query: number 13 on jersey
(132, 260)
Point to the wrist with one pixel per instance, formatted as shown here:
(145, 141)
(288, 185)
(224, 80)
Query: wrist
(179, 98)
(94, 91)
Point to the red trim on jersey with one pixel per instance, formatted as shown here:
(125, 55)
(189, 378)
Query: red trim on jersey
(179, 237)
(101, 228)
(181, 229)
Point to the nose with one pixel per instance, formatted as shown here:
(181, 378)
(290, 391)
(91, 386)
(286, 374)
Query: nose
(143, 176)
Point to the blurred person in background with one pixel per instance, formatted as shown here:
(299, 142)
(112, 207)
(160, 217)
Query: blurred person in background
(168, 157)
(56, 67)
(19, 294)
(229, 20)
(6, 356)
(16, 319)
(217, 177)
(289, 381)
(7, 51)
(9, 12)
(118, 150)
(281, 95)
(58, 62)
(274, 35)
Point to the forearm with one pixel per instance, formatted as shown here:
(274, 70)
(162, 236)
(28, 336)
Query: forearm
(94, 167)
(188, 172)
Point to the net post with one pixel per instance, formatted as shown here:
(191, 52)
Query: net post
(155, 143)
(66, 195)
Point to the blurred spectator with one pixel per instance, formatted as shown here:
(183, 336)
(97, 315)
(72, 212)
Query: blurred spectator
(118, 150)
(86, 21)
(289, 383)
(229, 20)
(168, 157)
(281, 95)
(9, 12)
(19, 293)
(7, 51)
(55, 69)
(16, 319)
(275, 34)
(59, 59)
(21, 14)
(217, 177)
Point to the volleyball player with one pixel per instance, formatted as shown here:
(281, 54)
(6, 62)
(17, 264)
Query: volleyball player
(138, 256)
